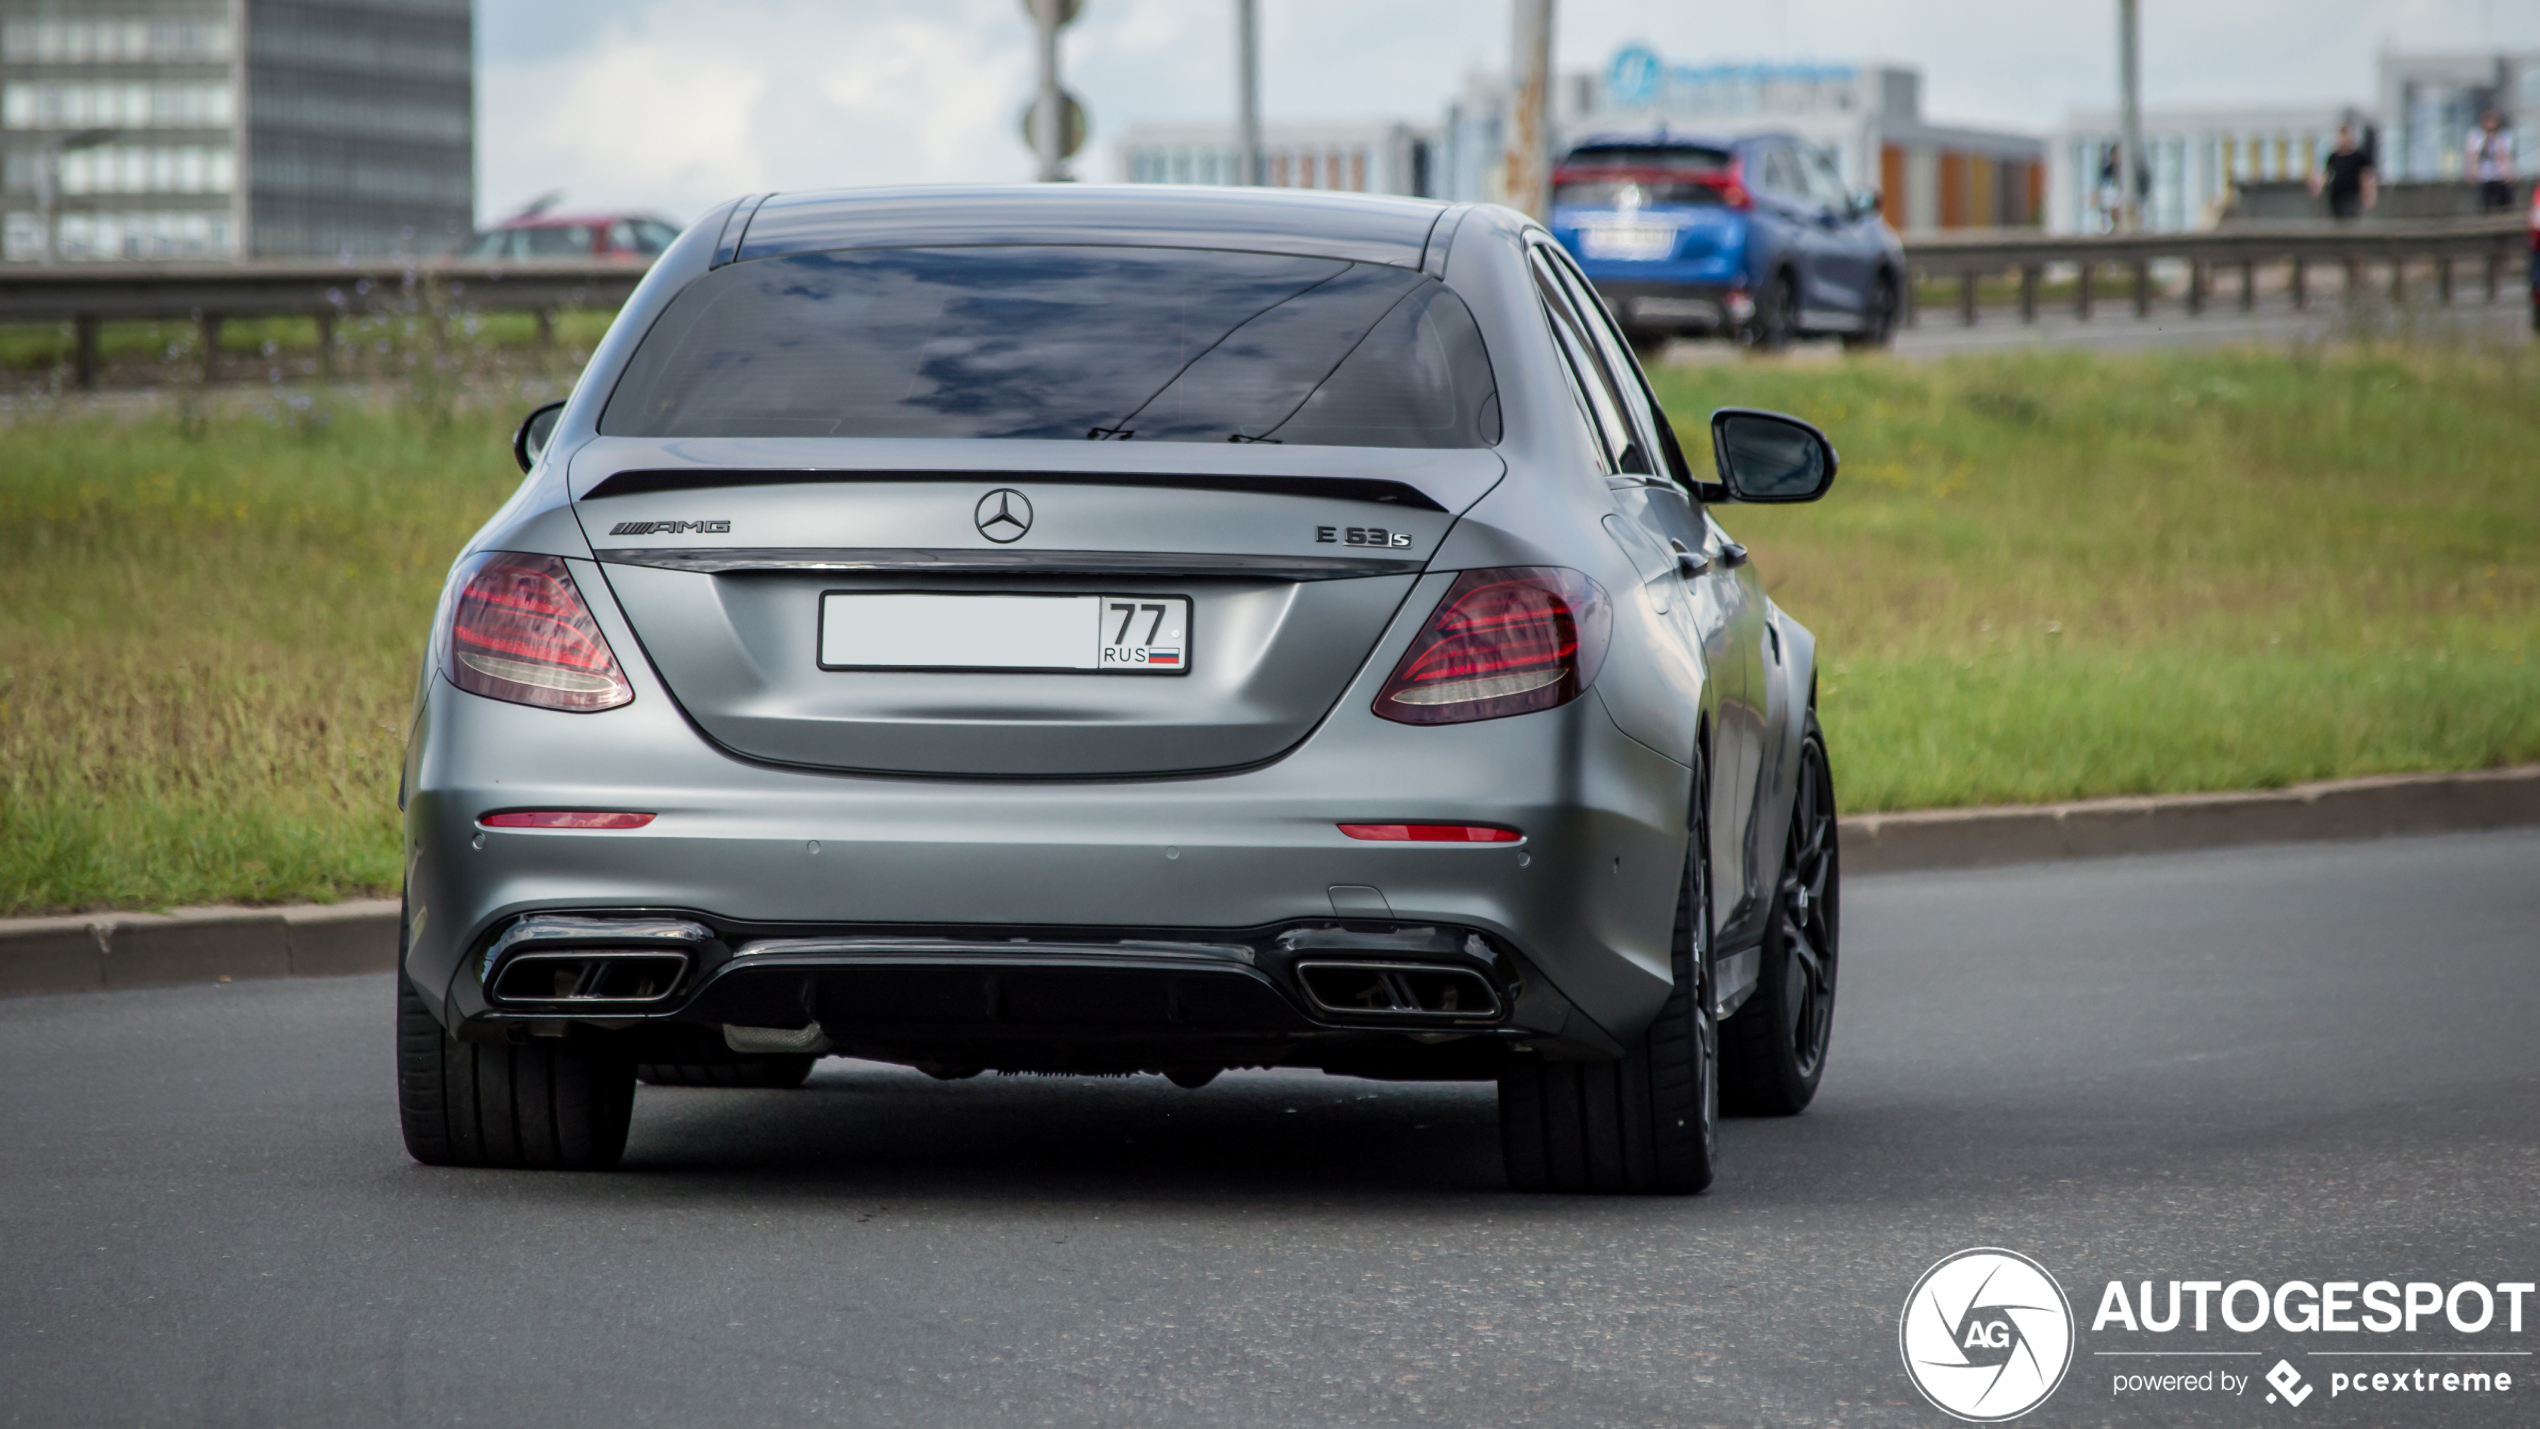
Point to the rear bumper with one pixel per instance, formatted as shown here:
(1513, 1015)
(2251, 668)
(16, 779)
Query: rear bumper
(1687, 308)
(1577, 915)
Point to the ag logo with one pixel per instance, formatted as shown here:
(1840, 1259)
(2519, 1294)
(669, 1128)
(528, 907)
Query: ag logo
(1987, 1335)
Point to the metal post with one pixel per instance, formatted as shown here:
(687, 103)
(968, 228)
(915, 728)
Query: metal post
(1967, 298)
(2398, 278)
(2142, 288)
(1528, 154)
(2443, 277)
(546, 327)
(208, 324)
(1913, 303)
(2130, 110)
(2301, 285)
(1248, 90)
(2081, 293)
(2248, 285)
(1050, 116)
(84, 350)
(2028, 294)
(2195, 287)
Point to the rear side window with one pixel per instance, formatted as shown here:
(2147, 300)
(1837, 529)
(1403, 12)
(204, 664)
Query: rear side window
(1108, 344)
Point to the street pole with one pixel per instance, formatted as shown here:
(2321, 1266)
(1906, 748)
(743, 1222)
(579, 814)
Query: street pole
(1050, 136)
(1248, 89)
(2130, 114)
(1528, 153)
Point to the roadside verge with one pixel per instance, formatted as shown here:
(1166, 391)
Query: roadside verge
(104, 952)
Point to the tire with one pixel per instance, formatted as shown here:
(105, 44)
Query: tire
(546, 1105)
(1648, 1123)
(777, 1071)
(1773, 1051)
(1776, 321)
(1881, 318)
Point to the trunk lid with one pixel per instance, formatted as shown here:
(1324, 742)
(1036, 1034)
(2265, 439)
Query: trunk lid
(725, 552)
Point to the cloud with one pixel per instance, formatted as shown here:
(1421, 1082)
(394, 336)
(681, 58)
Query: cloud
(675, 108)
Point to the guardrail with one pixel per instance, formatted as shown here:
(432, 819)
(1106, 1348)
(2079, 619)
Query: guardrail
(2492, 243)
(88, 294)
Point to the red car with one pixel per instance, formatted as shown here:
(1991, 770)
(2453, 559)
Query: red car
(636, 237)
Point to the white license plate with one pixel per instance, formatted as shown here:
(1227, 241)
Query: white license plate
(1627, 240)
(1110, 634)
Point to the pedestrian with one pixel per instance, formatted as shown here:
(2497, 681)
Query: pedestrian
(2491, 162)
(2348, 176)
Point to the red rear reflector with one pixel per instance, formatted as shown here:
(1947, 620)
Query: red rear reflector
(565, 819)
(520, 632)
(1431, 833)
(1502, 642)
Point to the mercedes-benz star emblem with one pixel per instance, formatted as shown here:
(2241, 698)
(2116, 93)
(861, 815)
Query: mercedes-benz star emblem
(1004, 515)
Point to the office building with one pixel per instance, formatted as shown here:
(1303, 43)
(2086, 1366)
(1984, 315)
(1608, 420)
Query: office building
(211, 129)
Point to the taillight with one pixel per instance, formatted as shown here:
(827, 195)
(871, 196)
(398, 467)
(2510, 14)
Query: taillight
(520, 632)
(1503, 642)
(1733, 191)
(1432, 833)
(566, 819)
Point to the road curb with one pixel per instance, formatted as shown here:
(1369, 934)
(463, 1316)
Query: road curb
(107, 952)
(104, 952)
(2377, 807)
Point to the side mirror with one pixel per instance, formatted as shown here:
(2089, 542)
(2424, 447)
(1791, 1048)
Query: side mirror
(1867, 201)
(1766, 457)
(534, 431)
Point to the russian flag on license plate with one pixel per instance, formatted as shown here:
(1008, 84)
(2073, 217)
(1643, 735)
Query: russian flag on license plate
(1164, 657)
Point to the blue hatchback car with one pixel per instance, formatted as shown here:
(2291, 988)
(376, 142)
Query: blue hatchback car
(1753, 237)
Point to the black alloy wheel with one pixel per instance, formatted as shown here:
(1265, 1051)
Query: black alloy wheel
(1878, 325)
(1774, 1051)
(1776, 321)
(1649, 1123)
(552, 1104)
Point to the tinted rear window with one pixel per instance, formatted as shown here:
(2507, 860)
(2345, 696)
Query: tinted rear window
(1609, 193)
(1642, 156)
(1143, 344)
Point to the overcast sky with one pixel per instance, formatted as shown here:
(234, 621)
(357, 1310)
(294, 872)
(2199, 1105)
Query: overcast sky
(672, 106)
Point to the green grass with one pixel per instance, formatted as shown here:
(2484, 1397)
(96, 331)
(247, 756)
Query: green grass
(209, 646)
(2064, 576)
(2039, 577)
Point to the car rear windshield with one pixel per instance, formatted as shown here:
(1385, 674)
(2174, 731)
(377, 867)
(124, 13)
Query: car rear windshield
(1610, 193)
(1120, 344)
(1646, 156)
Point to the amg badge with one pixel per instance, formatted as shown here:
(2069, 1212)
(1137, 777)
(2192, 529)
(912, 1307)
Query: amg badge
(671, 528)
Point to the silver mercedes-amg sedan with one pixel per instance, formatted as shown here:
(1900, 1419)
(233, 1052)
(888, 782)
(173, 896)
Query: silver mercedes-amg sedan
(1120, 631)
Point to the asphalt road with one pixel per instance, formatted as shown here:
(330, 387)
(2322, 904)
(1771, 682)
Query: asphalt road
(2314, 1063)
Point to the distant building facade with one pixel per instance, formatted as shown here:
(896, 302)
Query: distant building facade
(209, 129)
(2194, 160)
(1930, 176)
(1869, 118)
(2430, 101)
(1375, 157)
